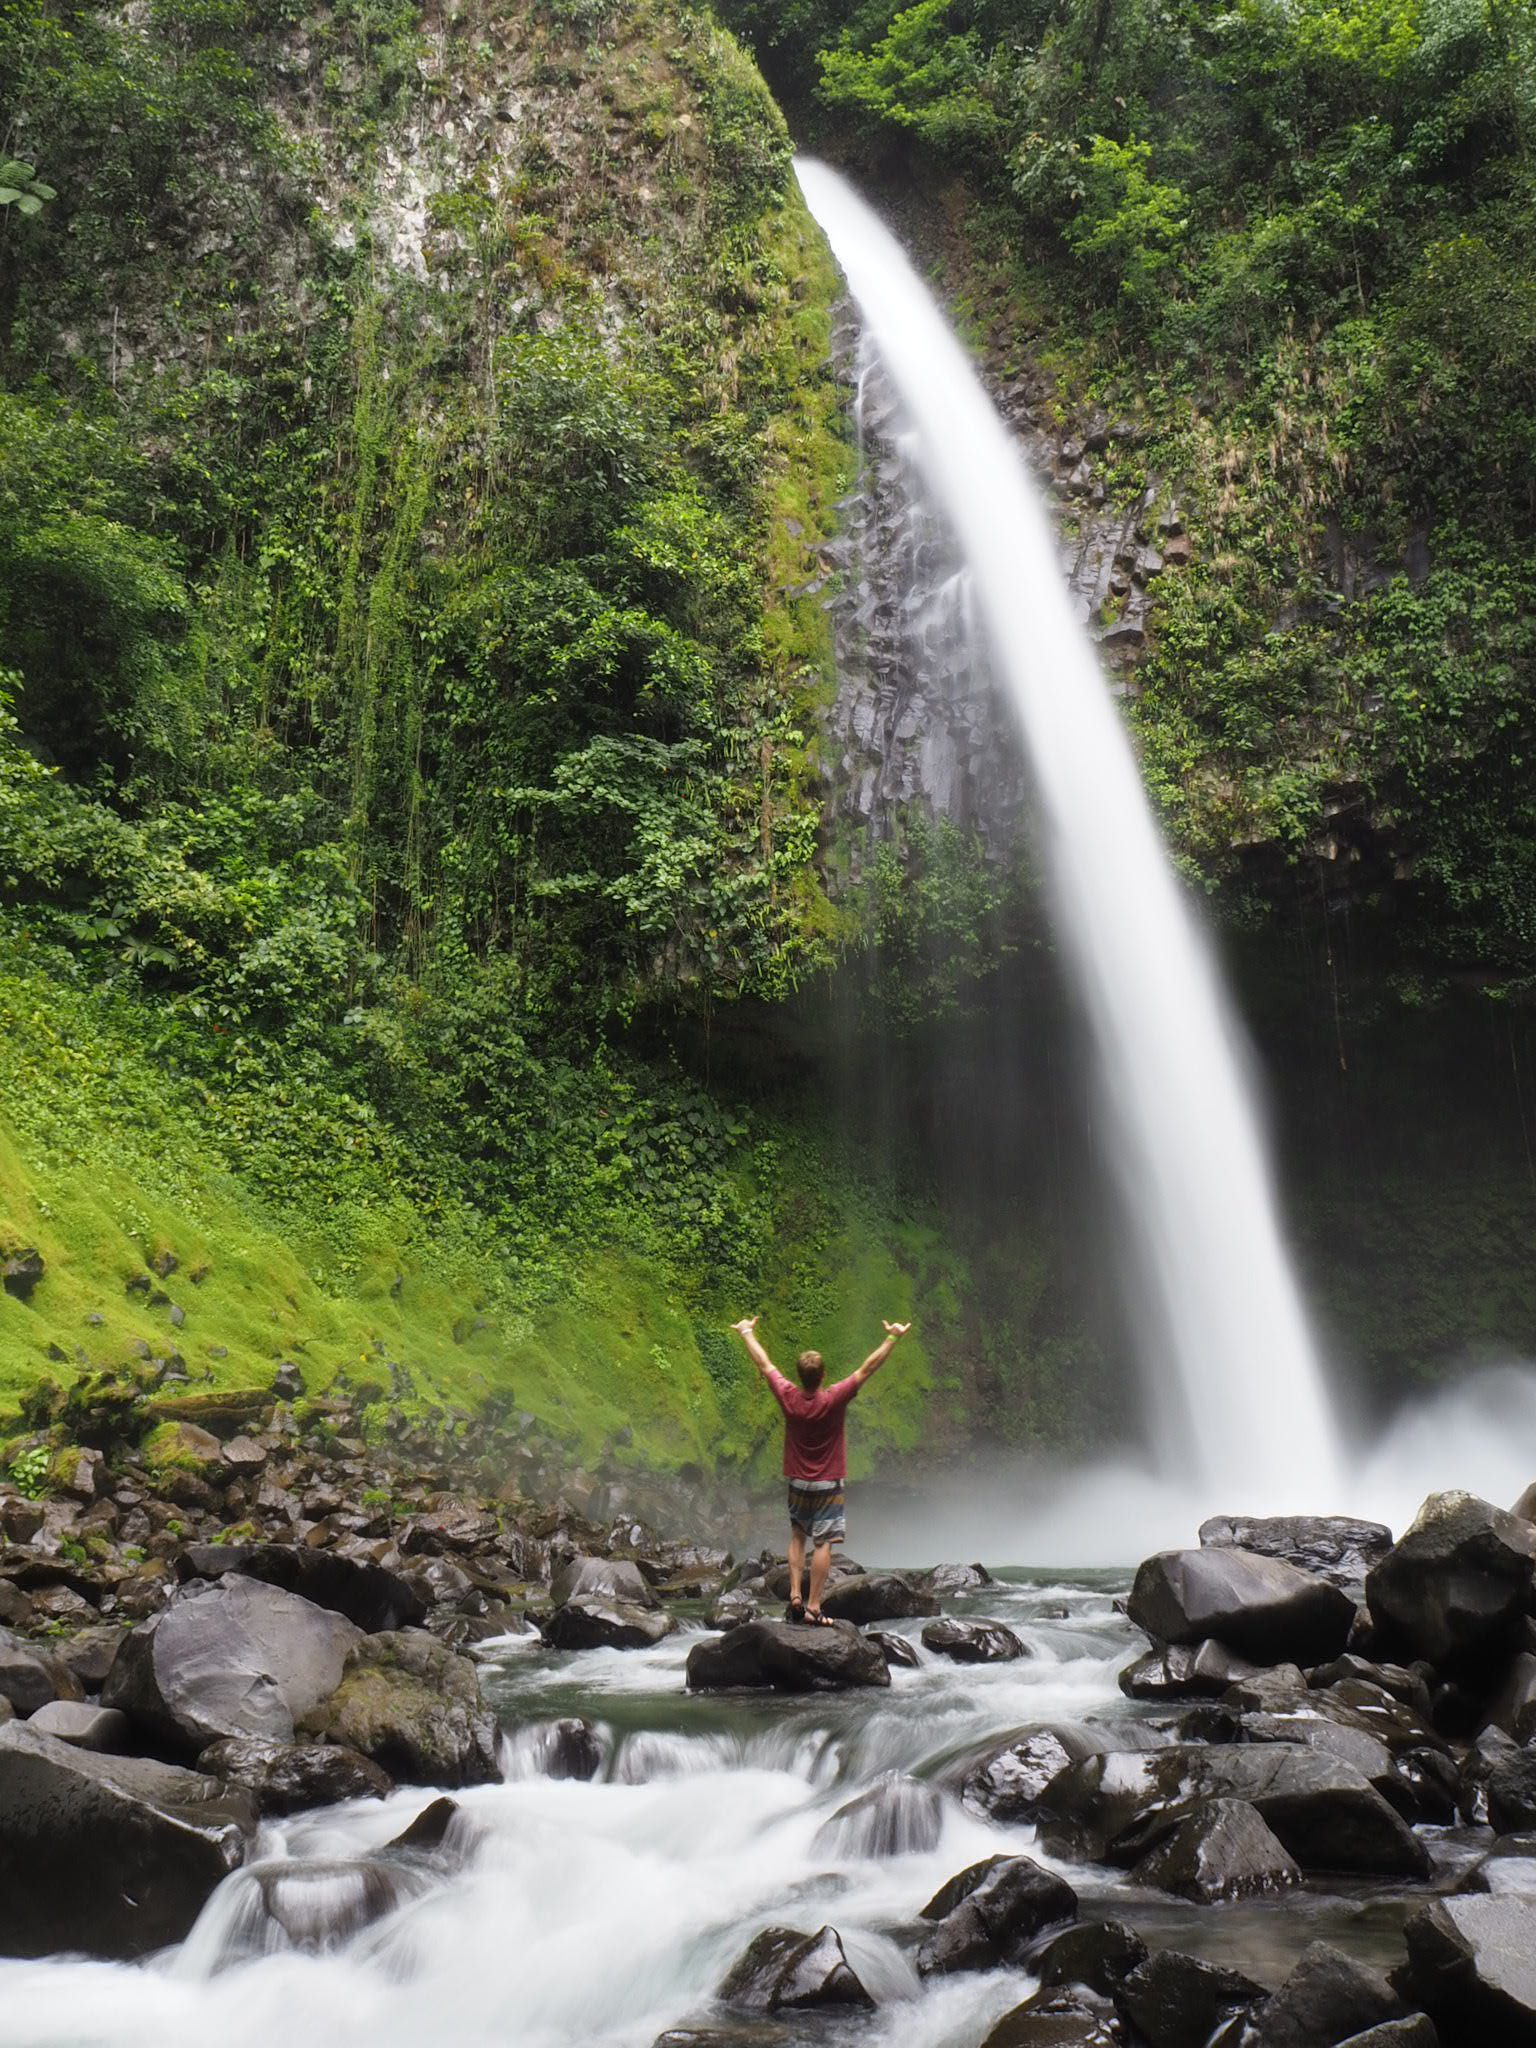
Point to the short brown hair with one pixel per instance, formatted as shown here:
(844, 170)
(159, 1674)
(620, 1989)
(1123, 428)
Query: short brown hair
(810, 1369)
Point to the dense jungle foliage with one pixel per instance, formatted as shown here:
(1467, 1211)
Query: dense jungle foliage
(1293, 243)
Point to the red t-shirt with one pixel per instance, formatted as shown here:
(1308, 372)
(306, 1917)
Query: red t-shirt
(813, 1427)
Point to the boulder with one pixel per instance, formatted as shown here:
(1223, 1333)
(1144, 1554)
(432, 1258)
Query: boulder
(1223, 1849)
(877, 1596)
(182, 1447)
(31, 1675)
(1409, 1684)
(1178, 2001)
(84, 1726)
(605, 1579)
(1513, 1706)
(945, 1580)
(230, 1657)
(598, 1622)
(973, 1642)
(113, 1856)
(1472, 1967)
(1457, 1588)
(732, 1609)
(415, 1708)
(288, 1777)
(1007, 1784)
(1185, 1671)
(450, 1525)
(990, 1913)
(1478, 1765)
(1115, 1808)
(1509, 1866)
(368, 1595)
(1261, 1607)
(571, 1749)
(1417, 2031)
(1036, 2025)
(1333, 1547)
(428, 1832)
(1328, 1997)
(788, 1657)
(784, 1970)
(1098, 1953)
(88, 1656)
(1512, 1793)
(896, 1816)
(894, 1648)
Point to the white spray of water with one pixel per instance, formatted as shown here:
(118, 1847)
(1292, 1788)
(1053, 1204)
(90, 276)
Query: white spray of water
(1239, 1395)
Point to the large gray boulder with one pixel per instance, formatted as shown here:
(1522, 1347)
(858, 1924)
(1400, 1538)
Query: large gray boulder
(414, 1707)
(110, 1855)
(596, 1621)
(602, 1578)
(366, 1593)
(1472, 1967)
(231, 1657)
(973, 1642)
(1457, 1588)
(788, 1657)
(1006, 1785)
(1222, 1849)
(1260, 1607)
(877, 1596)
(1115, 1808)
(990, 1913)
(1185, 1671)
(83, 1725)
(1334, 1547)
(784, 1970)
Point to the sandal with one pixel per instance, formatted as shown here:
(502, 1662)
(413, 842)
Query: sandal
(795, 1611)
(816, 1619)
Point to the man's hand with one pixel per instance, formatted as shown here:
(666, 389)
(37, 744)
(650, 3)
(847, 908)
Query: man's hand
(881, 1352)
(895, 1330)
(746, 1326)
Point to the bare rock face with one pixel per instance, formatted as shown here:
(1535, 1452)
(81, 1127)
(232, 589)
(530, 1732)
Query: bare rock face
(1457, 1587)
(234, 1657)
(788, 1657)
(786, 1970)
(110, 1855)
(1260, 1607)
(413, 1707)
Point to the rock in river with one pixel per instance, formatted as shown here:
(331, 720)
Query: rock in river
(1258, 1606)
(229, 1658)
(877, 1596)
(789, 1657)
(287, 1777)
(1178, 2001)
(1335, 1547)
(1328, 1996)
(110, 1855)
(786, 1969)
(415, 1708)
(1223, 1849)
(990, 1913)
(973, 1642)
(592, 1621)
(1457, 1587)
(1472, 1966)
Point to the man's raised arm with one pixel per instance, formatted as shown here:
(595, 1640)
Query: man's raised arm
(893, 1333)
(746, 1330)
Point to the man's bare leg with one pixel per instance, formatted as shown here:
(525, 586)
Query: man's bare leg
(821, 1564)
(797, 1565)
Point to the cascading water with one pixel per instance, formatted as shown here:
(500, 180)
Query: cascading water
(1238, 1391)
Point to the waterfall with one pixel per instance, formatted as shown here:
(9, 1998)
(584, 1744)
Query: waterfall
(1235, 1386)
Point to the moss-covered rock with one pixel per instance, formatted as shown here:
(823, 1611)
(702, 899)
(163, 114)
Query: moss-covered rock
(415, 1708)
(182, 1447)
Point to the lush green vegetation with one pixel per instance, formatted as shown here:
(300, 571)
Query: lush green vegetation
(1291, 245)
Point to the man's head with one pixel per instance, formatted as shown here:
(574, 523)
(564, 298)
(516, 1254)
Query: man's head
(810, 1369)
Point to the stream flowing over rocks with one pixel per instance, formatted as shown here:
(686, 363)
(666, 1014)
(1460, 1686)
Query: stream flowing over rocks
(1270, 1791)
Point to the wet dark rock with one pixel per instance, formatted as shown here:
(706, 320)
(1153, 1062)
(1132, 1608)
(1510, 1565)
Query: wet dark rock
(1457, 1588)
(785, 1970)
(1223, 1849)
(894, 1648)
(973, 1642)
(596, 1622)
(948, 1579)
(572, 1750)
(603, 1579)
(1513, 1706)
(228, 1657)
(1417, 2031)
(895, 1816)
(428, 1831)
(877, 1596)
(30, 1675)
(1328, 1997)
(288, 1777)
(1037, 2025)
(83, 1726)
(1006, 1786)
(287, 1383)
(415, 1708)
(365, 1593)
(1178, 2001)
(990, 1913)
(1185, 1671)
(756, 2033)
(1334, 1547)
(1426, 1788)
(1472, 1967)
(112, 1856)
(1098, 1953)
(1115, 1808)
(1509, 1866)
(1409, 1683)
(733, 1608)
(787, 1656)
(1261, 1607)
(1512, 1793)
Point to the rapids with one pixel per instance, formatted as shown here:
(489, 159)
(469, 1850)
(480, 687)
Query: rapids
(567, 1915)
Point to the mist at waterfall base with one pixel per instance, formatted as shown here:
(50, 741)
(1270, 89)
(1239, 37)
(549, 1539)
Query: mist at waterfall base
(1235, 1404)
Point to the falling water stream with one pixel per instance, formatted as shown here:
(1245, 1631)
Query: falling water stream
(1238, 1395)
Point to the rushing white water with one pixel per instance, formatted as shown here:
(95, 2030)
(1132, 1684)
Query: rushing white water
(1237, 1392)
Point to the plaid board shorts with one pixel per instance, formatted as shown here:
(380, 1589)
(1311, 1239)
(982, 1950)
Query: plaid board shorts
(817, 1507)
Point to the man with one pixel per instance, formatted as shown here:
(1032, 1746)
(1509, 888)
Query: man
(815, 1462)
